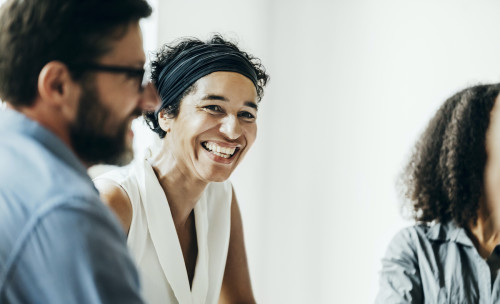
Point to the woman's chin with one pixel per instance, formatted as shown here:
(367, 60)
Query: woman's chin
(215, 176)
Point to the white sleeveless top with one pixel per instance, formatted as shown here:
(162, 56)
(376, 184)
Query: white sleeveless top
(154, 244)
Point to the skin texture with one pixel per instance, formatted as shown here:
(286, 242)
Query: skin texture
(222, 109)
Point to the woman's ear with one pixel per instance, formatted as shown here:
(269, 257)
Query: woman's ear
(164, 121)
(151, 101)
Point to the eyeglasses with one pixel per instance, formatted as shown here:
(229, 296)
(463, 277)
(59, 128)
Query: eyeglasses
(129, 71)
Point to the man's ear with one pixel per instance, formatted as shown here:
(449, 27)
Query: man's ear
(57, 88)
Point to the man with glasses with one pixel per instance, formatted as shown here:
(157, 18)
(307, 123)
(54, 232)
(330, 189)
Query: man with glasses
(71, 73)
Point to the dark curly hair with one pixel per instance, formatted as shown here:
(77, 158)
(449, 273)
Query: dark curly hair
(443, 180)
(170, 51)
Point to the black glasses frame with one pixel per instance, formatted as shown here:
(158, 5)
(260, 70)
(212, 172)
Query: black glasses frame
(116, 69)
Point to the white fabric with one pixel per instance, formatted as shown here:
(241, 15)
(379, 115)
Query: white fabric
(155, 246)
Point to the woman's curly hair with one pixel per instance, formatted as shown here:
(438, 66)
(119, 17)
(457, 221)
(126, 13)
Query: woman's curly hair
(170, 51)
(444, 178)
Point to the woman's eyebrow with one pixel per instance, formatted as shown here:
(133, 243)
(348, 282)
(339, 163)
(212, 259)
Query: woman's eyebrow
(214, 97)
(250, 104)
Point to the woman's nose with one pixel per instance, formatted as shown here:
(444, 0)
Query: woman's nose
(231, 127)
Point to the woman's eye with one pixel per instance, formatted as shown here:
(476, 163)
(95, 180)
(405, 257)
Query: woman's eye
(213, 108)
(247, 115)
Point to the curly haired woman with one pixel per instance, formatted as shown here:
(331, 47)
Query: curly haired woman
(452, 185)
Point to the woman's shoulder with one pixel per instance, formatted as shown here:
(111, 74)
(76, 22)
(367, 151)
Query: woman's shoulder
(408, 238)
(419, 237)
(415, 229)
(400, 279)
(115, 197)
(118, 190)
(119, 175)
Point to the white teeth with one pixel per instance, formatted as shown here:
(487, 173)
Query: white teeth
(225, 152)
(221, 155)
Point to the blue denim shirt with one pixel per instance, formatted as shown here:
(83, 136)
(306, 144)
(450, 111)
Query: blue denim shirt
(58, 242)
(438, 264)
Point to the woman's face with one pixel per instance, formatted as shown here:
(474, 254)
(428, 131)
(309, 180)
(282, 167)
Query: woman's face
(215, 127)
(492, 167)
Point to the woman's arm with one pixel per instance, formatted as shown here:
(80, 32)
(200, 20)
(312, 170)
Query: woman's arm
(236, 286)
(117, 199)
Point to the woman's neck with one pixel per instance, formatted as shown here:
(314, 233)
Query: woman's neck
(485, 234)
(182, 190)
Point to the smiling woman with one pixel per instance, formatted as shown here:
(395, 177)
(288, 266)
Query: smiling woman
(176, 205)
(219, 105)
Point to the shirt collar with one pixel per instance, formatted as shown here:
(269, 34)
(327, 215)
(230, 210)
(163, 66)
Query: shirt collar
(12, 121)
(449, 232)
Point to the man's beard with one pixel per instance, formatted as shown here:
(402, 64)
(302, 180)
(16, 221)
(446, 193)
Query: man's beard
(90, 134)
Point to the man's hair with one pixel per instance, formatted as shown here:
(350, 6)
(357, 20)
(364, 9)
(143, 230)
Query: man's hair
(170, 52)
(75, 32)
(444, 178)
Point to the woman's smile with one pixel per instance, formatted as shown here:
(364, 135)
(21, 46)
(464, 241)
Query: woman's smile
(224, 150)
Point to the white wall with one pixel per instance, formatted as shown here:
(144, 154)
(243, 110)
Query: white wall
(353, 84)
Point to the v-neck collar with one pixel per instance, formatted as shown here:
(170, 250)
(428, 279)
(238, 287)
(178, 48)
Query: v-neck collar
(166, 242)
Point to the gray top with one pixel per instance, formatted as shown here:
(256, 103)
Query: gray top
(58, 242)
(437, 264)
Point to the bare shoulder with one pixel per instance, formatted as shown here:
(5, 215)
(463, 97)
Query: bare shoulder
(116, 198)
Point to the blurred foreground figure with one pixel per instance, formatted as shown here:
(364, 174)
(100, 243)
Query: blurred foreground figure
(71, 74)
(452, 184)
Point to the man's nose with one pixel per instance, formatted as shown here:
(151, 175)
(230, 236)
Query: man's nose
(150, 100)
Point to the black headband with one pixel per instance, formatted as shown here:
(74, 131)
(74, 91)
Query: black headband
(192, 64)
